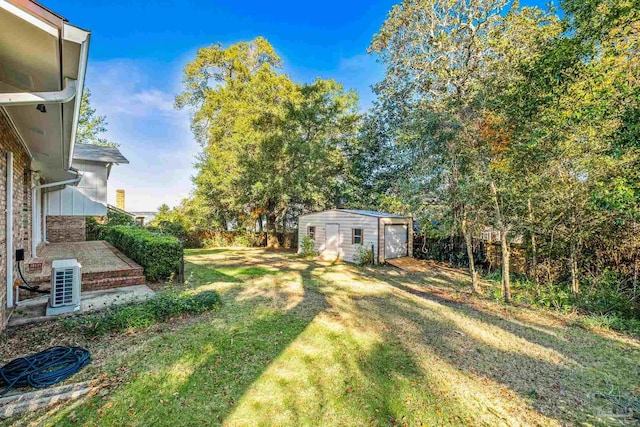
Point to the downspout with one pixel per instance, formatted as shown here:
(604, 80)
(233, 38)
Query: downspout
(35, 98)
(9, 239)
(34, 212)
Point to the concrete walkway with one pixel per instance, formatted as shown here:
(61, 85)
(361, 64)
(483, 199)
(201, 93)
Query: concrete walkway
(33, 310)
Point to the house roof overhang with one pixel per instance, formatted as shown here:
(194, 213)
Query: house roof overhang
(43, 60)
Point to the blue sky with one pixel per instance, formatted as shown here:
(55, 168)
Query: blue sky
(138, 49)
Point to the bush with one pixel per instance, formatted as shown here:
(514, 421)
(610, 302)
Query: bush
(97, 229)
(363, 256)
(143, 314)
(607, 295)
(160, 255)
(308, 247)
(609, 322)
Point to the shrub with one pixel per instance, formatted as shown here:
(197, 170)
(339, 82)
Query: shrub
(162, 307)
(97, 226)
(308, 247)
(363, 256)
(611, 321)
(160, 255)
(117, 218)
(607, 295)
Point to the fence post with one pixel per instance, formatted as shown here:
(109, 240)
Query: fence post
(181, 272)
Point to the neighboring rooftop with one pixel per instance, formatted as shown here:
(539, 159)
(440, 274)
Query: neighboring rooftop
(99, 153)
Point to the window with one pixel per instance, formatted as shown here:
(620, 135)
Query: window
(311, 232)
(357, 236)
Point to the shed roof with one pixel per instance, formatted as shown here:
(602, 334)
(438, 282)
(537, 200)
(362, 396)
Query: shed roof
(98, 153)
(375, 214)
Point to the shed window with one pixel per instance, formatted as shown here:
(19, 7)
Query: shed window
(357, 236)
(311, 232)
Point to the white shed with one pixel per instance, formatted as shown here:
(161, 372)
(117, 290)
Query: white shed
(339, 232)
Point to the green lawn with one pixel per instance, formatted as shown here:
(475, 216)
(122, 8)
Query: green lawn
(300, 342)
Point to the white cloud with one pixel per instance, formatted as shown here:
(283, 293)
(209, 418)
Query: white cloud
(138, 103)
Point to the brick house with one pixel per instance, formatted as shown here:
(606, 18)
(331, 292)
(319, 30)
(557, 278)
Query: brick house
(43, 61)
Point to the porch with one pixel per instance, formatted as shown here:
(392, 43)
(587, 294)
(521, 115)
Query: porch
(103, 266)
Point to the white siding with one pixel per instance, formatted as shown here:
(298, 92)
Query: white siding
(347, 221)
(88, 198)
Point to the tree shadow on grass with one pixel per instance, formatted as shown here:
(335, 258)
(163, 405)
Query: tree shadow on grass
(196, 375)
(557, 389)
(552, 338)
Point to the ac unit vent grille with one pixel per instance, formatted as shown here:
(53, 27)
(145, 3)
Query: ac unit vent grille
(63, 289)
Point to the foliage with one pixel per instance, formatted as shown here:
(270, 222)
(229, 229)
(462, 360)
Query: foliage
(308, 247)
(270, 147)
(609, 321)
(160, 255)
(509, 118)
(97, 227)
(163, 306)
(364, 255)
(90, 125)
(171, 221)
(607, 303)
(221, 239)
(119, 218)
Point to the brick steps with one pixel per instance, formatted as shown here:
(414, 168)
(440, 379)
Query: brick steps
(113, 282)
(101, 280)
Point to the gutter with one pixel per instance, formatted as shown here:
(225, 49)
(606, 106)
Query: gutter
(35, 212)
(82, 37)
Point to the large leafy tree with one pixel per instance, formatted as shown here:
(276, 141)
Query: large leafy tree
(270, 146)
(437, 55)
(519, 121)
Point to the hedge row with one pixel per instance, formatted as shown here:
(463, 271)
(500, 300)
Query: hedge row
(159, 254)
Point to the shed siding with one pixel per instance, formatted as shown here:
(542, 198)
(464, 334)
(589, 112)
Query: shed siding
(392, 221)
(347, 222)
(88, 198)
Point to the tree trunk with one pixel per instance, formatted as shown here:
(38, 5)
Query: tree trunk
(506, 268)
(534, 251)
(468, 238)
(504, 245)
(272, 238)
(575, 283)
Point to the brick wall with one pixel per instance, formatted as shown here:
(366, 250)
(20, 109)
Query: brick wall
(62, 229)
(22, 182)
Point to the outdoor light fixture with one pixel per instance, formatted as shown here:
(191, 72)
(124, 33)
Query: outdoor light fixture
(41, 108)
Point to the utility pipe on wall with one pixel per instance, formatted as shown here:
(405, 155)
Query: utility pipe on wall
(9, 239)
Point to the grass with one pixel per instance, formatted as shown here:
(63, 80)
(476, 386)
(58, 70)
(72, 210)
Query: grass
(298, 342)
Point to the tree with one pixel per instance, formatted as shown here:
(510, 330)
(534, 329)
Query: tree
(269, 145)
(91, 126)
(436, 56)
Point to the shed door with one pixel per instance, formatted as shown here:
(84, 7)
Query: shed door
(395, 241)
(332, 242)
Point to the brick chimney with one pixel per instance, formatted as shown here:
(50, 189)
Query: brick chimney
(120, 199)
